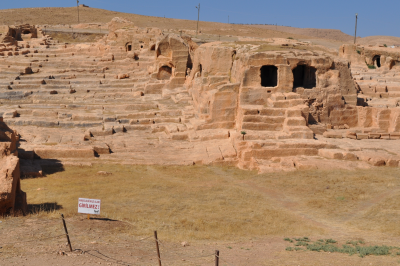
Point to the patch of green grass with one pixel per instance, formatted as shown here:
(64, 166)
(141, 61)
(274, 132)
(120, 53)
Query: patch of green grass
(294, 249)
(351, 248)
(301, 243)
(288, 239)
(355, 243)
(304, 239)
(330, 241)
(371, 66)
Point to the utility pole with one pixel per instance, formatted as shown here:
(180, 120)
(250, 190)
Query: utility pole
(355, 34)
(198, 19)
(228, 19)
(77, 5)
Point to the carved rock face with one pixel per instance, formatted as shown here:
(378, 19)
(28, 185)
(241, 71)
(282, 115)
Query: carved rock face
(12, 198)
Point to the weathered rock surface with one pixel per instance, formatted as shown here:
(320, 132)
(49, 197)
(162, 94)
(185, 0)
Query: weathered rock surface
(142, 96)
(12, 198)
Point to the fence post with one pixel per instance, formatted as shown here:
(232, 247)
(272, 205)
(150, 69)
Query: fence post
(158, 248)
(217, 258)
(66, 232)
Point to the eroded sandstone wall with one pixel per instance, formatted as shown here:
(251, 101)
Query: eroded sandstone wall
(226, 79)
(12, 198)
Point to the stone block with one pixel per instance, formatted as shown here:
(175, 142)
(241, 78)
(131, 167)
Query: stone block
(58, 152)
(101, 148)
(154, 88)
(374, 135)
(348, 156)
(392, 162)
(385, 136)
(99, 131)
(331, 154)
(362, 136)
(180, 136)
(333, 134)
(377, 161)
(381, 88)
(395, 135)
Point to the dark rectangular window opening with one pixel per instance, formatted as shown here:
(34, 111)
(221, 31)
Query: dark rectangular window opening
(304, 76)
(269, 76)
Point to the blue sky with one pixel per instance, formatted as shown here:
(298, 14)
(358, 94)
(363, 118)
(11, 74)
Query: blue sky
(375, 17)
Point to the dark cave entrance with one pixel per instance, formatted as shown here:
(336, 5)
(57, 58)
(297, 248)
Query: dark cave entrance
(377, 60)
(304, 76)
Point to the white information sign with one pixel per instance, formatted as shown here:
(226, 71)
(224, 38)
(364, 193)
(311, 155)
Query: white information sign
(89, 206)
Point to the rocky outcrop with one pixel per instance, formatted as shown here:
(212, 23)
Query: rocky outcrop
(12, 198)
(148, 96)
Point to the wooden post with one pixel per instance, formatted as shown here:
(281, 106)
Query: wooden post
(217, 258)
(158, 248)
(66, 232)
(88, 216)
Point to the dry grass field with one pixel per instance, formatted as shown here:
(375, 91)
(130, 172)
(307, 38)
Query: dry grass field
(68, 16)
(245, 215)
(200, 202)
(186, 202)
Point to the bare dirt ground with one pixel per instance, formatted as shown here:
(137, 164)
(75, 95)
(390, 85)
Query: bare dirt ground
(344, 206)
(99, 242)
(330, 34)
(380, 40)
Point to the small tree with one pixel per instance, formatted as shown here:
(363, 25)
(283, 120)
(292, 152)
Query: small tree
(243, 133)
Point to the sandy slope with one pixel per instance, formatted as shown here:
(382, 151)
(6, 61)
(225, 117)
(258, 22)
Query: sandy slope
(53, 16)
(319, 33)
(68, 16)
(380, 40)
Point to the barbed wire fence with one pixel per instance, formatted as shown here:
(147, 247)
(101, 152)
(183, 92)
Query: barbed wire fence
(150, 243)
